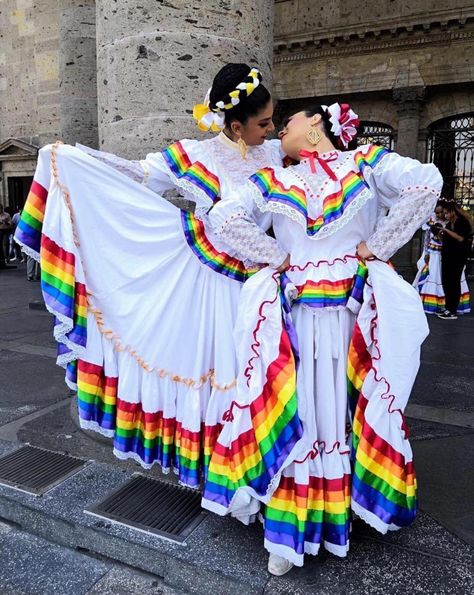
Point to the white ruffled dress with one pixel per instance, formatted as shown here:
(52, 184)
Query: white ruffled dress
(428, 279)
(144, 294)
(338, 449)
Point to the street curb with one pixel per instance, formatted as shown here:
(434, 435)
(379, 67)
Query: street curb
(208, 562)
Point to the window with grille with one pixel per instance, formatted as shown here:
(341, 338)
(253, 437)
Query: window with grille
(450, 146)
(375, 133)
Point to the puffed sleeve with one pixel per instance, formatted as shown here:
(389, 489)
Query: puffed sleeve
(242, 226)
(409, 190)
(152, 171)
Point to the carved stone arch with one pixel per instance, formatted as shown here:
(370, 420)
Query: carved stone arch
(446, 106)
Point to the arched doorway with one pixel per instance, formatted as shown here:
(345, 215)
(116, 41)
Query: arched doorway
(450, 146)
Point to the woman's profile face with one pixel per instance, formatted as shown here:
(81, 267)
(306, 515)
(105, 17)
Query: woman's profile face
(293, 133)
(449, 215)
(257, 128)
(439, 212)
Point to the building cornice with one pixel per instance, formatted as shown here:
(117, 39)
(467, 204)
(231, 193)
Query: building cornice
(303, 47)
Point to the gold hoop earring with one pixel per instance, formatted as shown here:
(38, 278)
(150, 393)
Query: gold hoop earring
(242, 148)
(314, 136)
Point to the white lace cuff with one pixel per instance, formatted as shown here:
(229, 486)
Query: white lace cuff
(413, 208)
(250, 241)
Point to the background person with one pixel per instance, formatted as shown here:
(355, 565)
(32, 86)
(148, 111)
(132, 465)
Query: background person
(456, 237)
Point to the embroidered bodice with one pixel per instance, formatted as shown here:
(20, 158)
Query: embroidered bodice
(376, 196)
(203, 172)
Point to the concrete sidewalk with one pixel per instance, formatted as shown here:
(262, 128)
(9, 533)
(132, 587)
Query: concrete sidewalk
(434, 556)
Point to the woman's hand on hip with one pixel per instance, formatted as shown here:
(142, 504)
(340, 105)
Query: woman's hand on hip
(285, 265)
(363, 252)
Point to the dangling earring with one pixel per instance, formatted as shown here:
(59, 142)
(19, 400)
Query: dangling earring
(314, 136)
(242, 148)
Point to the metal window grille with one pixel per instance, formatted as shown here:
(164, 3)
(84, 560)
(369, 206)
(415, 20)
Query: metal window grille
(450, 146)
(375, 133)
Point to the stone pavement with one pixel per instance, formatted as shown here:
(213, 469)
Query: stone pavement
(40, 537)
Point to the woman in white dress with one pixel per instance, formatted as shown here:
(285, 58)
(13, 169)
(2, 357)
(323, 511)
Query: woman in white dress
(144, 294)
(428, 280)
(285, 450)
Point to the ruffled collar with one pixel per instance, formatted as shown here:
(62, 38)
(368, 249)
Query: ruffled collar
(225, 140)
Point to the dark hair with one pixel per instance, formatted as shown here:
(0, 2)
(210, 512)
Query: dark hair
(225, 81)
(453, 207)
(335, 140)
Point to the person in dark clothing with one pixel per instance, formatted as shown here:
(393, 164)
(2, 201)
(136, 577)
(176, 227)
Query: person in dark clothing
(454, 254)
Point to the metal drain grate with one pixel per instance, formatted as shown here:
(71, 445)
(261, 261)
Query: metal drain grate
(153, 506)
(36, 470)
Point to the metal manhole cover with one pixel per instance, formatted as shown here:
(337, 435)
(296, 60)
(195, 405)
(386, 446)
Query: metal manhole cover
(153, 506)
(36, 470)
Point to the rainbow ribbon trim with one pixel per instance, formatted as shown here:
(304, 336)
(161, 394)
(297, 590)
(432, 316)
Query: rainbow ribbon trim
(63, 295)
(255, 456)
(151, 437)
(334, 205)
(311, 513)
(383, 482)
(425, 272)
(28, 231)
(196, 173)
(199, 243)
(432, 303)
(464, 303)
(325, 293)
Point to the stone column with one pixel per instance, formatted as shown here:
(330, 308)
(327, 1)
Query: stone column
(78, 72)
(156, 59)
(408, 101)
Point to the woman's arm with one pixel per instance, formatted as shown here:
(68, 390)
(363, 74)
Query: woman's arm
(409, 189)
(453, 234)
(152, 172)
(234, 220)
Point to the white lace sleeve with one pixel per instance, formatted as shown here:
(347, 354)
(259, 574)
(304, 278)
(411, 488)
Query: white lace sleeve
(230, 220)
(409, 190)
(406, 216)
(150, 172)
(251, 242)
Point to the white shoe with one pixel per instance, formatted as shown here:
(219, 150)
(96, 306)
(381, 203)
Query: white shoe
(279, 566)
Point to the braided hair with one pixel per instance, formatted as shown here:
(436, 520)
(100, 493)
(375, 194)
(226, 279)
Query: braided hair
(225, 81)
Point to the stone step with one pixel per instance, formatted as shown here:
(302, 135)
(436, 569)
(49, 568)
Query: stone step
(218, 556)
(221, 556)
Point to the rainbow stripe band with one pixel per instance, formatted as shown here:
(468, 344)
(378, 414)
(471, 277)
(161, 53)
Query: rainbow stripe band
(312, 513)
(325, 293)
(370, 158)
(199, 243)
(150, 436)
(334, 205)
(96, 395)
(464, 303)
(28, 231)
(432, 303)
(62, 294)
(253, 459)
(196, 173)
(383, 482)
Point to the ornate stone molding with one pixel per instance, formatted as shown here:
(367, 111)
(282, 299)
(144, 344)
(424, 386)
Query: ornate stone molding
(295, 49)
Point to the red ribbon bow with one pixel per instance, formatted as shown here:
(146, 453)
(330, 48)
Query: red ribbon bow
(314, 157)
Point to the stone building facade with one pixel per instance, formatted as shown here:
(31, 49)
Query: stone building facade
(124, 75)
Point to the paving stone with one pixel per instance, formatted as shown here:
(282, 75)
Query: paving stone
(124, 581)
(372, 568)
(31, 565)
